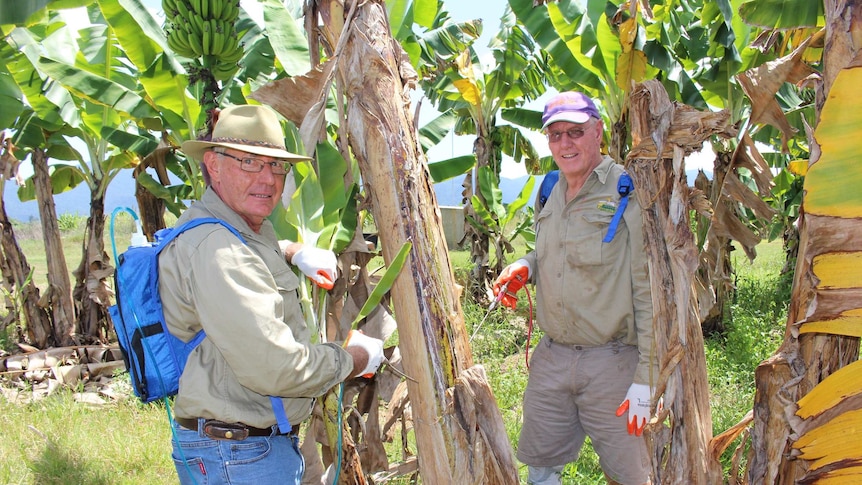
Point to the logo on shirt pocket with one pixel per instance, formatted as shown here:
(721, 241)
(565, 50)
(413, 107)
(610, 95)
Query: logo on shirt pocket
(609, 206)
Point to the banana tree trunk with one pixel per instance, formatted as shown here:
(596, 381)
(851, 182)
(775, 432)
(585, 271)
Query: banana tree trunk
(680, 441)
(715, 271)
(479, 241)
(91, 292)
(151, 207)
(59, 287)
(827, 232)
(459, 430)
(22, 298)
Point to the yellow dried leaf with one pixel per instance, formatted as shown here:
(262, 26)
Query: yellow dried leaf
(836, 440)
(838, 269)
(847, 325)
(839, 385)
(631, 67)
(842, 476)
(469, 91)
(465, 65)
(798, 167)
(628, 33)
(832, 184)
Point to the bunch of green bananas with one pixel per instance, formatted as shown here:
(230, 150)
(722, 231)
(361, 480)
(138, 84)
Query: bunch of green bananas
(200, 28)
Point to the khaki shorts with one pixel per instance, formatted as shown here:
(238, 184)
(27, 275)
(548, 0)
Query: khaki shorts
(573, 392)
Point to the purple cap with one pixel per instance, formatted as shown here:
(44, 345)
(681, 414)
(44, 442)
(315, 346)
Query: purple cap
(570, 106)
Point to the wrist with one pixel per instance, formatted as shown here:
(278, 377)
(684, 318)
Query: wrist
(289, 249)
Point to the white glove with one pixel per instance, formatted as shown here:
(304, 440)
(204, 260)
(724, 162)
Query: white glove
(637, 403)
(372, 346)
(318, 264)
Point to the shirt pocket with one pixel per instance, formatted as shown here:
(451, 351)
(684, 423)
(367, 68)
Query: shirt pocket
(584, 244)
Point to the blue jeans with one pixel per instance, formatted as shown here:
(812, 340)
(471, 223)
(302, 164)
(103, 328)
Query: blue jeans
(257, 460)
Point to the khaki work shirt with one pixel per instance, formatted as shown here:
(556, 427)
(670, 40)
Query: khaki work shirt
(589, 292)
(244, 296)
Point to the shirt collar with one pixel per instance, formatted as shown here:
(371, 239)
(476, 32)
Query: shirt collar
(603, 170)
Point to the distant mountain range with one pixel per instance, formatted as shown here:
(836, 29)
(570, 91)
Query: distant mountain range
(449, 192)
(121, 193)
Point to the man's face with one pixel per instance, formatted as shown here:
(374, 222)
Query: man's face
(251, 195)
(576, 146)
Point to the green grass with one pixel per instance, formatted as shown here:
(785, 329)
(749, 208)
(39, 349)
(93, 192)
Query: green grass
(58, 440)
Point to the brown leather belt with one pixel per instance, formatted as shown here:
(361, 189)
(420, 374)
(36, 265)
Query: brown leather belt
(231, 431)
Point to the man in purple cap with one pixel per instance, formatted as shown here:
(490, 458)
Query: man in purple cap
(591, 373)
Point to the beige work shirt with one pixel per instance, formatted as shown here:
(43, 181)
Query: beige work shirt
(245, 297)
(589, 292)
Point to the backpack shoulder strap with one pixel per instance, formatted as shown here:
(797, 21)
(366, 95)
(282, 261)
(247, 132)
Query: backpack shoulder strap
(169, 235)
(625, 186)
(547, 186)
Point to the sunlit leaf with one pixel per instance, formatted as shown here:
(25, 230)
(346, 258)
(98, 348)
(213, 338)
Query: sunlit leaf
(125, 18)
(97, 89)
(424, 12)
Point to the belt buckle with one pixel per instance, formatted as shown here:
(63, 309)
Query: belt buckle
(219, 430)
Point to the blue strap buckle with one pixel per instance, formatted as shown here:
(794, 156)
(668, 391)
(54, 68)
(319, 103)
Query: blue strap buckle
(625, 186)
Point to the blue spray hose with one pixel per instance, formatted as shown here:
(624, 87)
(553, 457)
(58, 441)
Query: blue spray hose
(116, 268)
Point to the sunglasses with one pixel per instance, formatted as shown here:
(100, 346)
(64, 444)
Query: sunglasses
(572, 133)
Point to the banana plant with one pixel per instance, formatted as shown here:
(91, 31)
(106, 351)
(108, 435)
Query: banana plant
(477, 94)
(323, 213)
(86, 93)
(493, 217)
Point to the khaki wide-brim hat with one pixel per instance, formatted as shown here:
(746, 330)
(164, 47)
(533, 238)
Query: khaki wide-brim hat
(249, 128)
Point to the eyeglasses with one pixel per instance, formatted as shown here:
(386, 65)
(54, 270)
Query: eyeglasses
(573, 134)
(253, 165)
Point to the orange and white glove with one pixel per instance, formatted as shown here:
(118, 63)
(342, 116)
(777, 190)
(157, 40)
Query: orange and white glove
(372, 346)
(637, 403)
(513, 277)
(320, 265)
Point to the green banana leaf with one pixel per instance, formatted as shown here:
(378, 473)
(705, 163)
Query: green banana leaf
(434, 131)
(97, 89)
(453, 167)
(286, 37)
(385, 284)
(19, 11)
(782, 14)
(321, 211)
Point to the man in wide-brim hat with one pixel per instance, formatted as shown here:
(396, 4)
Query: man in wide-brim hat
(253, 379)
